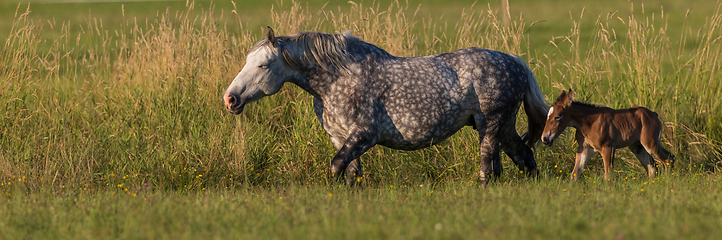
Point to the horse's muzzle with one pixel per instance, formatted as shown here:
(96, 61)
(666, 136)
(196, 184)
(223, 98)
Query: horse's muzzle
(546, 140)
(233, 103)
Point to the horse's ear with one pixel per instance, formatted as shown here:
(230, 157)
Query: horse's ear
(570, 97)
(562, 96)
(271, 36)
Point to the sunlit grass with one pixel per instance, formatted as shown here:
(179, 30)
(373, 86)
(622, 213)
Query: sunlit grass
(112, 126)
(141, 99)
(664, 207)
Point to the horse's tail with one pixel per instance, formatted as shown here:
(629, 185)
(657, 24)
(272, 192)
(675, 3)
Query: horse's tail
(534, 105)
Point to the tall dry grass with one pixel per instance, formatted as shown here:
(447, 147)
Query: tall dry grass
(119, 106)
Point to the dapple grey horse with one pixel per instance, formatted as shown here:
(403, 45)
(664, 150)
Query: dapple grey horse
(364, 96)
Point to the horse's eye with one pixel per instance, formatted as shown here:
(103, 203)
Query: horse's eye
(557, 118)
(263, 66)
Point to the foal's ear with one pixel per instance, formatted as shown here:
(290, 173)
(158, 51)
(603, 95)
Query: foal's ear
(562, 96)
(271, 37)
(570, 97)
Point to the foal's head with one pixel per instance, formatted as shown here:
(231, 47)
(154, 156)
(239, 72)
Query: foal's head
(557, 119)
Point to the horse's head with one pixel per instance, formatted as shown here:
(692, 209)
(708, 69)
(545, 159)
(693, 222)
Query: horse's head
(557, 119)
(263, 75)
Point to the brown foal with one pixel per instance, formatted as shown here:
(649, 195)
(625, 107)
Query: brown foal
(602, 129)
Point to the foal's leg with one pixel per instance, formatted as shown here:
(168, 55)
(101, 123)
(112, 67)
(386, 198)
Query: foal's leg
(489, 145)
(519, 152)
(644, 158)
(584, 153)
(347, 160)
(664, 155)
(608, 157)
(650, 139)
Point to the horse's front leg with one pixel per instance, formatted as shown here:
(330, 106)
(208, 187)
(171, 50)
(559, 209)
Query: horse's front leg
(347, 157)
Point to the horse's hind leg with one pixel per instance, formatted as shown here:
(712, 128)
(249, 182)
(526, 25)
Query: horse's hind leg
(644, 159)
(489, 147)
(519, 152)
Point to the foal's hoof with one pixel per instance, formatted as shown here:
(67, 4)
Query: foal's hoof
(354, 173)
(669, 163)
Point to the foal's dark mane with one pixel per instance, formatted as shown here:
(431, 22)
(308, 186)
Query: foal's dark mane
(589, 105)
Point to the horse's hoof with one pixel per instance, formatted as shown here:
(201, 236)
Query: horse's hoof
(534, 173)
(485, 179)
(336, 169)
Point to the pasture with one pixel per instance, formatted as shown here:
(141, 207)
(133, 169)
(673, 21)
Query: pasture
(112, 123)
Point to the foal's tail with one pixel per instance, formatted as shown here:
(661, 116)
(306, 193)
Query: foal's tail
(534, 105)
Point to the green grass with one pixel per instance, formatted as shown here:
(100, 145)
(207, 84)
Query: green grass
(111, 120)
(668, 207)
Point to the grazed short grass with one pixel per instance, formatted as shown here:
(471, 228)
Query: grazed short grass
(667, 207)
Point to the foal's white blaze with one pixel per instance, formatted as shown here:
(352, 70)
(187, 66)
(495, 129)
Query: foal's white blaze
(551, 110)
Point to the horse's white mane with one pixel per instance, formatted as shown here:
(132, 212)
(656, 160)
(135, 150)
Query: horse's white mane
(328, 51)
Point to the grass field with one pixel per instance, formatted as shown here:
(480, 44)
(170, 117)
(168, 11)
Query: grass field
(111, 123)
(686, 207)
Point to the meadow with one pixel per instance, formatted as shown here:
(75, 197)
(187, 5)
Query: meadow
(112, 125)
